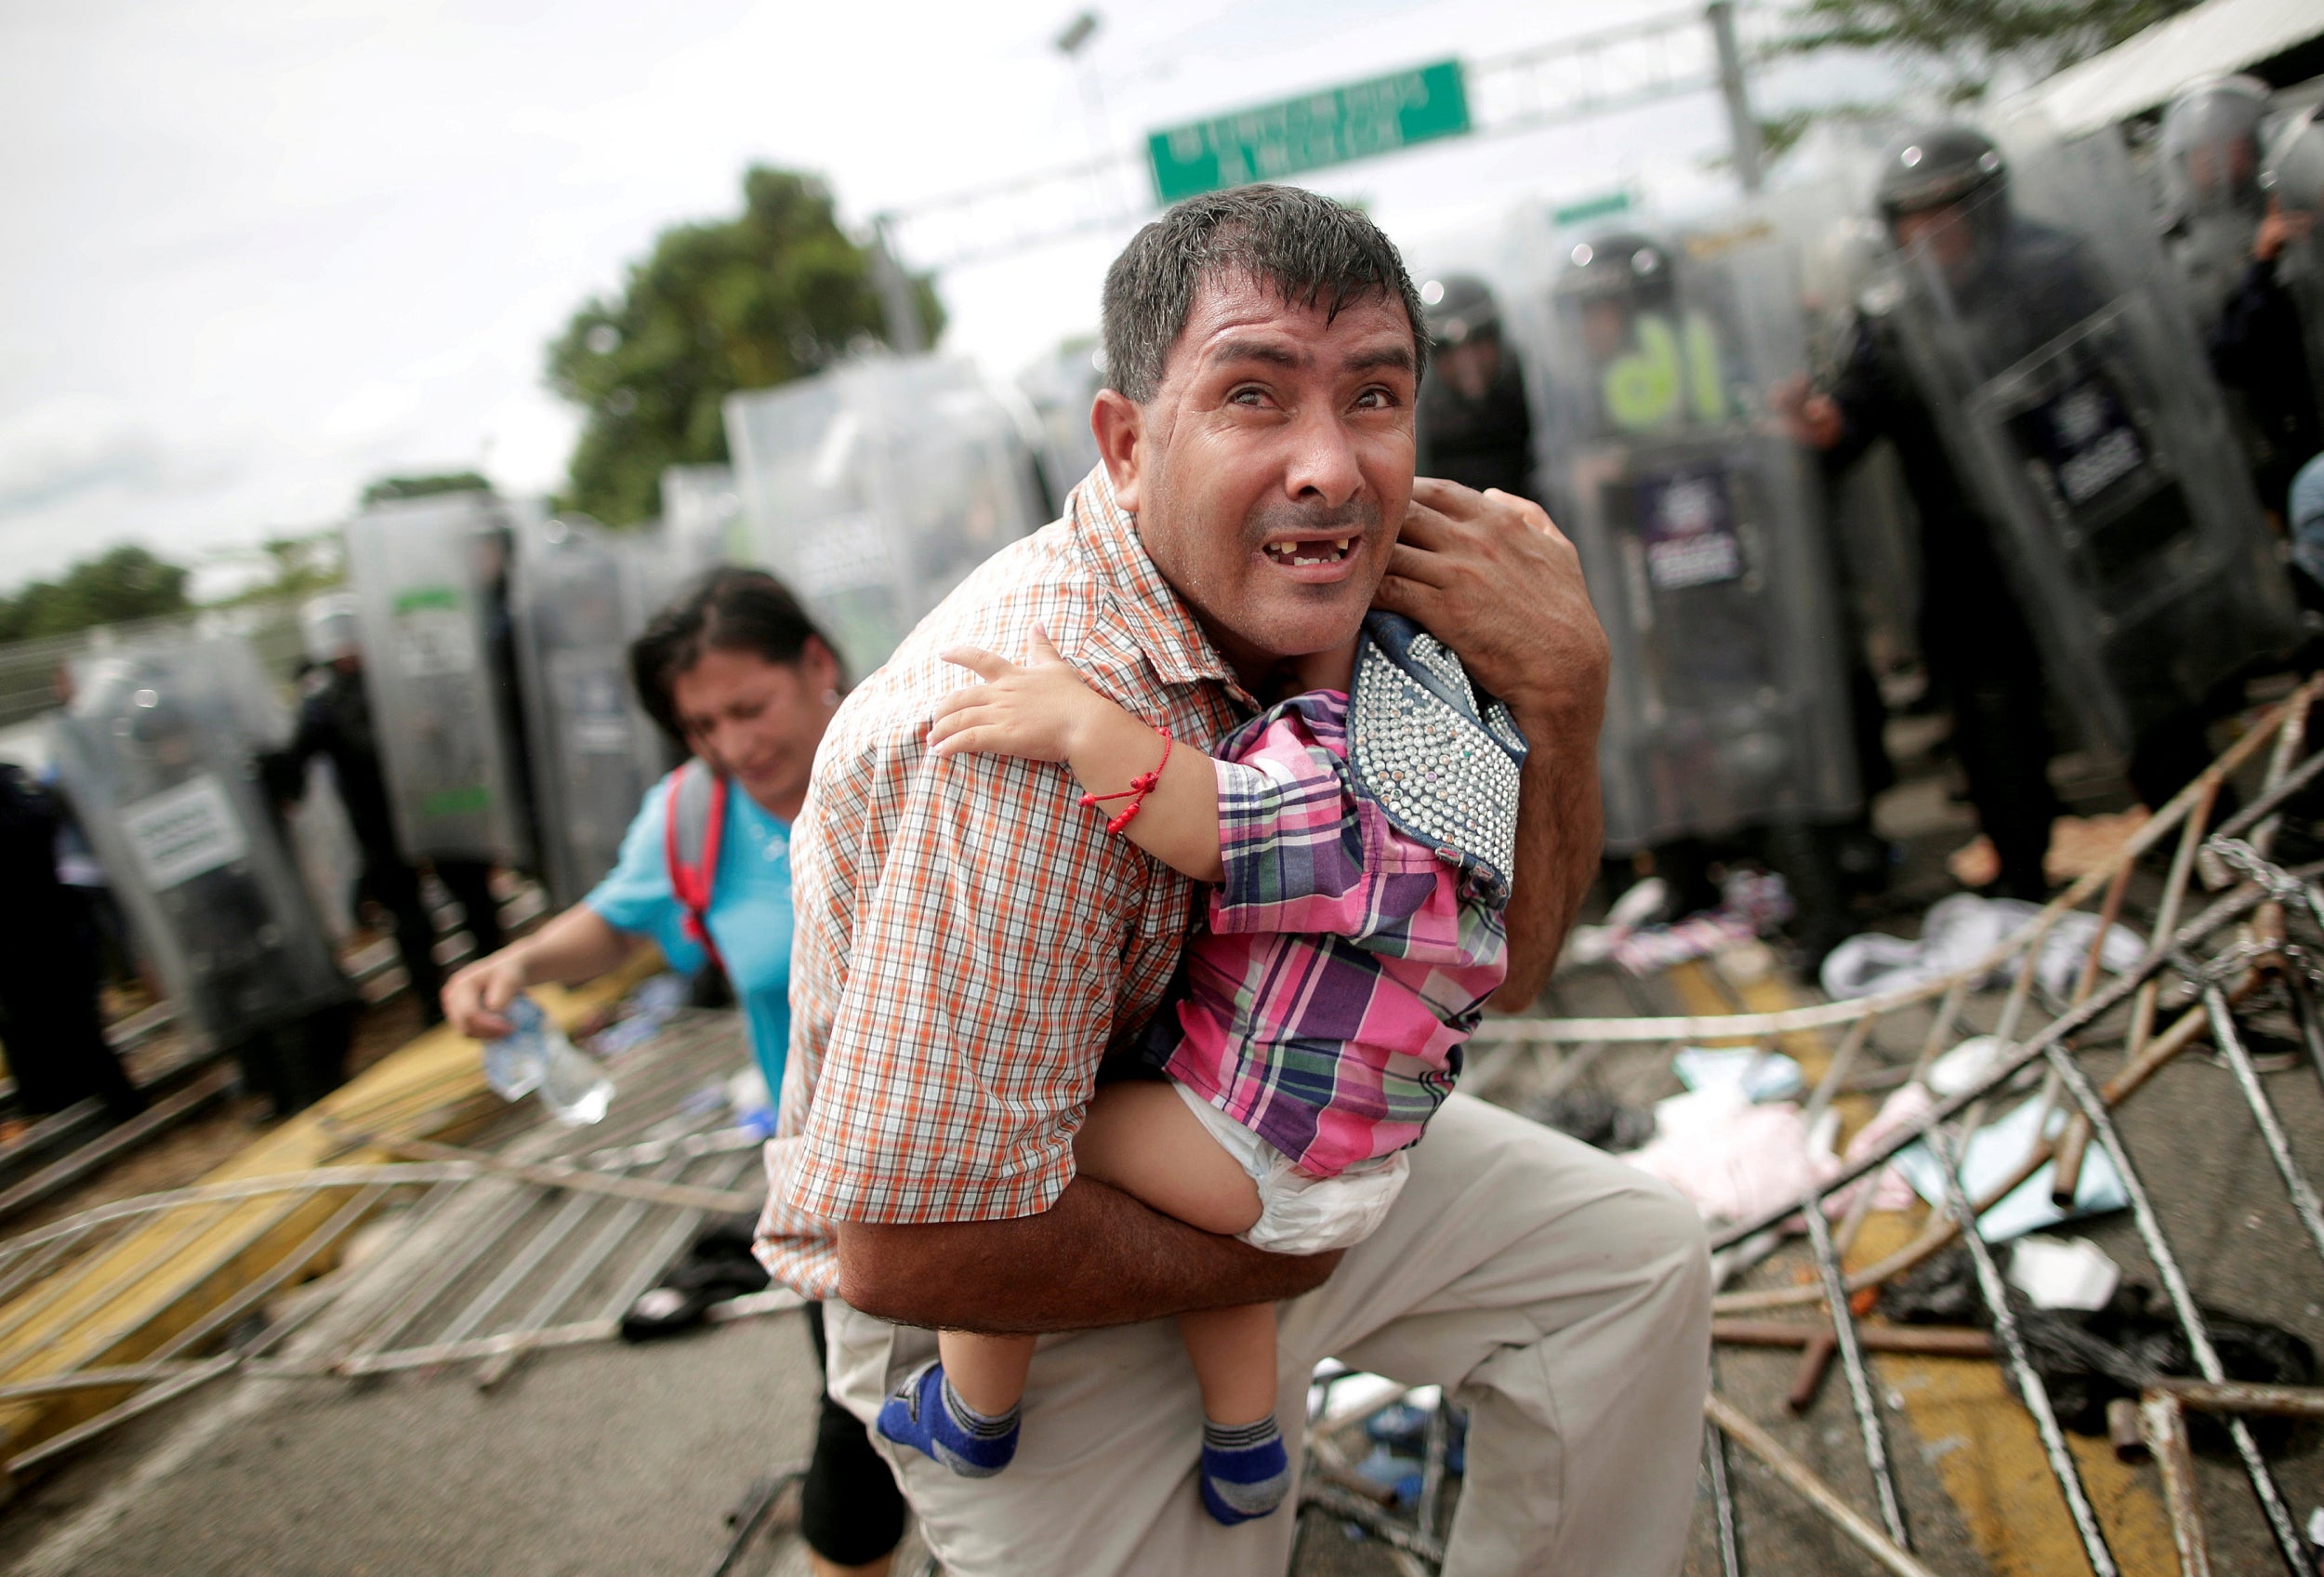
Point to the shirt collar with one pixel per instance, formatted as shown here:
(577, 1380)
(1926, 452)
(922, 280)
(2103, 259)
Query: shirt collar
(1157, 620)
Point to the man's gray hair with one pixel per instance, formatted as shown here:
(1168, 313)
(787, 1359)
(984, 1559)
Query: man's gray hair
(1308, 249)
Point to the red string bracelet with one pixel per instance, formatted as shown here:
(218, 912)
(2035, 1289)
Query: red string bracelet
(1140, 787)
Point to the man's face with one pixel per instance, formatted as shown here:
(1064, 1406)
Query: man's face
(1269, 473)
(1944, 230)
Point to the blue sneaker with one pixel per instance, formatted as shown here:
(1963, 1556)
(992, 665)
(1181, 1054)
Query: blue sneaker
(927, 1415)
(1244, 1471)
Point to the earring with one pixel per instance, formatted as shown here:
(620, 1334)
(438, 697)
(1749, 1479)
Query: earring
(830, 697)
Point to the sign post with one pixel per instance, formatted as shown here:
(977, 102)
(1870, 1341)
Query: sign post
(1330, 127)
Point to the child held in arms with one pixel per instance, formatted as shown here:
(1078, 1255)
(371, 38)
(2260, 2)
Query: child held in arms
(1358, 838)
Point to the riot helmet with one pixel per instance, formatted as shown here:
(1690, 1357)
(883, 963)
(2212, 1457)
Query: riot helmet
(1956, 175)
(326, 627)
(2210, 143)
(1624, 264)
(2294, 172)
(1459, 308)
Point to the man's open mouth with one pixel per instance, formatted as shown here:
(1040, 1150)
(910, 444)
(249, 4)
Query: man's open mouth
(1310, 551)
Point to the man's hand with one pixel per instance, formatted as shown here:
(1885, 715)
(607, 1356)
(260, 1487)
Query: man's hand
(2279, 229)
(1488, 575)
(1808, 417)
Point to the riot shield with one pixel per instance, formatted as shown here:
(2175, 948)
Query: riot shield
(157, 759)
(1060, 387)
(2038, 323)
(428, 576)
(2294, 177)
(874, 488)
(1699, 533)
(701, 520)
(580, 597)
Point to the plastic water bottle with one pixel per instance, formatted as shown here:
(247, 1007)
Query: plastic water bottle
(514, 1063)
(535, 1056)
(573, 1086)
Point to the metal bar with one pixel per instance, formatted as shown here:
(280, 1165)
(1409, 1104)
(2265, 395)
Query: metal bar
(56, 1291)
(248, 1189)
(1836, 1072)
(2243, 1395)
(1722, 1489)
(2222, 1033)
(1859, 1379)
(609, 1235)
(2173, 1279)
(143, 1403)
(2222, 912)
(345, 1220)
(1352, 1507)
(1435, 1451)
(578, 1179)
(67, 1170)
(1929, 1341)
(2031, 1392)
(1811, 1489)
(2165, 1428)
(439, 1279)
(2167, 914)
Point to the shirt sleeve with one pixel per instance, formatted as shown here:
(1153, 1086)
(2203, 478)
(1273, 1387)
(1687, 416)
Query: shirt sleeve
(1301, 854)
(636, 896)
(982, 965)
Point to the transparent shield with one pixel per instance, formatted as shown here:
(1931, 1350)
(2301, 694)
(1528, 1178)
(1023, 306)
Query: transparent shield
(701, 519)
(158, 761)
(2081, 415)
(1060, 388)
(429, 578)
(1701, 535)
(579, 596)
(874, 488)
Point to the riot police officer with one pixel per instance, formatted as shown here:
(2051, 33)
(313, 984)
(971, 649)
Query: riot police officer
(335, 722)
(2229, 236)
(1474, 425)
(1945, 189)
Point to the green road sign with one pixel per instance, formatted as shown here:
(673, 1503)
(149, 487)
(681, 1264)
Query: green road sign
(1330, 127)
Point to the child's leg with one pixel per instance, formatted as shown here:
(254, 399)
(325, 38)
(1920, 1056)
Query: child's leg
(961, 1410)
(1233, 1351)
(1141, 1138)
(1245, 1468)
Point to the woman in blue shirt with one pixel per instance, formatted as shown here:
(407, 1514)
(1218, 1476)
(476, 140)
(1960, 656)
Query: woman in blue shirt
(736, 673)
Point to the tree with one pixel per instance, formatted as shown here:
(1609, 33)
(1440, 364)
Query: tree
(390, 488)
(1960, 46)
(749, 302)
(127, 582)
(304, 565)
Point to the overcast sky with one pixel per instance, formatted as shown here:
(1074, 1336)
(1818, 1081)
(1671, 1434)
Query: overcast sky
(262, 251)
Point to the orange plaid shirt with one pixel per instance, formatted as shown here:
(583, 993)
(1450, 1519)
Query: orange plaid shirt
(970, 942)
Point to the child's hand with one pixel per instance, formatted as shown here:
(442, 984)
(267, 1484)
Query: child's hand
(1035, 712)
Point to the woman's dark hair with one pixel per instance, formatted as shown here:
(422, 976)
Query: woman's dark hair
(726, 610)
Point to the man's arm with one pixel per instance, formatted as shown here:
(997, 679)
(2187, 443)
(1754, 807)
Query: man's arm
(1095, 1257)
(1489, 576)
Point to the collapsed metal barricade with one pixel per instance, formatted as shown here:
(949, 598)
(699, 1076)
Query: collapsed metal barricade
(2229, 922)
(540, 1238)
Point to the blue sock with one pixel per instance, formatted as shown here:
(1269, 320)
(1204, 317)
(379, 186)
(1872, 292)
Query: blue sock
(1244, 1471)
(927, 1415)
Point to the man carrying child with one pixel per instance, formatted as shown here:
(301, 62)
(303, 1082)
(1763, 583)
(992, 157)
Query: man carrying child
(976, 952)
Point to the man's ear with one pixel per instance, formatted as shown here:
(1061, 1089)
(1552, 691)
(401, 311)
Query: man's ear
(1119, 425)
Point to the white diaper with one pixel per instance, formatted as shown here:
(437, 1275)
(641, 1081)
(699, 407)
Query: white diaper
(1299, 1214)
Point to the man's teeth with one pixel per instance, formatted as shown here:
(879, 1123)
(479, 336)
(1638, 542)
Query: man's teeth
(1333, 551)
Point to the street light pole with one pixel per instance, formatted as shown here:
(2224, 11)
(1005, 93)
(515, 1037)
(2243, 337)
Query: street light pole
(1742, 125)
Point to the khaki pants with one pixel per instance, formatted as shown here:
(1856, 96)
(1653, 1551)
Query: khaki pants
(1562, 1297)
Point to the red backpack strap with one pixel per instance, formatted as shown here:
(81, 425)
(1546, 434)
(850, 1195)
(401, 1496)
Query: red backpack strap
(694, 822)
